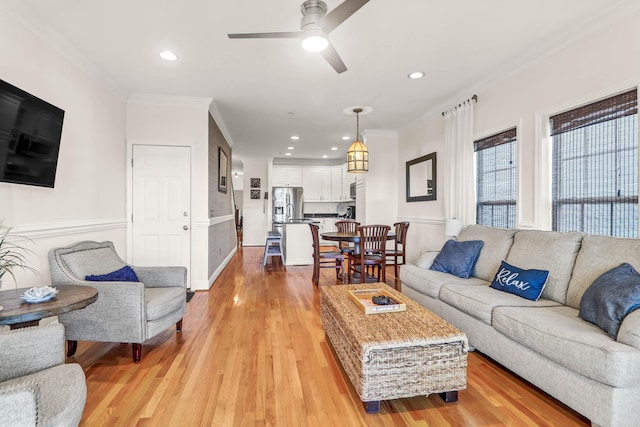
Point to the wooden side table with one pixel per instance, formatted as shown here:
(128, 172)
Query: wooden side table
(19, 314)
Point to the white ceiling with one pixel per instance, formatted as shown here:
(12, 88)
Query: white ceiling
(269, 89)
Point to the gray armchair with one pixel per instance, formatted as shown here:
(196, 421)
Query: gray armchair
(130, 312)
(37, 388)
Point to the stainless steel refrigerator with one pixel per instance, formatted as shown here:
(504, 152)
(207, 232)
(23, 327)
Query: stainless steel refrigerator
(287, 204)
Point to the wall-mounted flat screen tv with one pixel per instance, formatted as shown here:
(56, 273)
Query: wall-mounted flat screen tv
(30, 131)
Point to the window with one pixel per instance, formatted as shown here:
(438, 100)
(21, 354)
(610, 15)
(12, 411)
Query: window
(595, 167)
(496, 180)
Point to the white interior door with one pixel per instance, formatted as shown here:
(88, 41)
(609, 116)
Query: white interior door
(161, 205)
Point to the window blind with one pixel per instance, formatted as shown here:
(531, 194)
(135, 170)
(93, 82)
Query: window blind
(496, 179)
(595, 167)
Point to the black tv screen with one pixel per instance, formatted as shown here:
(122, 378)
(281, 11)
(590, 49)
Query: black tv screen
(30, 131)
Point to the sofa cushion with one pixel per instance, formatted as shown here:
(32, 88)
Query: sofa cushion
(125, 274)
(457, 258)
(547, 250)
(612, 296)
(92, 261)
(429, 282)
(591, 263)
(479, 301)
(559, 334)
(497, 242)
(426, 259)
(524, 283)
(163, 301)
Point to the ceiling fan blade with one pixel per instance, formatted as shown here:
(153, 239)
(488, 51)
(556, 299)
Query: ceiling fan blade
(340, 14)
(276, 35)
(332, 57)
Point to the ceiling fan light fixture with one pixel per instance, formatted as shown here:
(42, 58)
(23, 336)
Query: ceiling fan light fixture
(168, 56)
(314, 41)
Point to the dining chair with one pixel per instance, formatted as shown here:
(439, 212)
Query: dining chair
(372, 253)
(324, 259)
(347, 226)
(399, 246)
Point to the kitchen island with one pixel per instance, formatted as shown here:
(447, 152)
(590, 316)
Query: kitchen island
(297, 243)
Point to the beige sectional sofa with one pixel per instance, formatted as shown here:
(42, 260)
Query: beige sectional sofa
(544, 341)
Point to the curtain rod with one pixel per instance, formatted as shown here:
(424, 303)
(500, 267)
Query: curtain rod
(474, 97)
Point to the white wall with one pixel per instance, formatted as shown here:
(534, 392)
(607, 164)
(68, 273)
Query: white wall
(88, 201)
(256, 213)
(179, 121)
(598, 65)
(381, 186)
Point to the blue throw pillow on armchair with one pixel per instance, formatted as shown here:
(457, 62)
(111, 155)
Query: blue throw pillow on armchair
(610, 297)
(125, 274)
(527, 284)
(458, 258)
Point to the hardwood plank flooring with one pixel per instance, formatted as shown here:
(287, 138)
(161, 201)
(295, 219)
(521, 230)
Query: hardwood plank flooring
(253, 353)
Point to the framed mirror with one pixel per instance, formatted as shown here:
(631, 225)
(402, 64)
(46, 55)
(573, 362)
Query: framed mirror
(421, 178)
(223, 167)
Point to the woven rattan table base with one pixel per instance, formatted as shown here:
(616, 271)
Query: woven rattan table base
(393, 355)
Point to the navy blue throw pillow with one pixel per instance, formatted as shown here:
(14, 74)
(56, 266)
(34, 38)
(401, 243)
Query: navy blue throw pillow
(527, 284)
(125, 274)
(458, 258)
(610, 297)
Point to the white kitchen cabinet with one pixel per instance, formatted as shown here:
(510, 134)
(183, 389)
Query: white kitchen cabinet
(287, 176)
(340, 183)
(347, 180)
(316, 182)
(337, 194)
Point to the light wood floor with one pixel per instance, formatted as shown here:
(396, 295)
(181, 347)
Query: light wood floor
(253, 353)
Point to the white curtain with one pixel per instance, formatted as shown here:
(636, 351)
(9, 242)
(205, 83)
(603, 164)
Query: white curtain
(459, 167)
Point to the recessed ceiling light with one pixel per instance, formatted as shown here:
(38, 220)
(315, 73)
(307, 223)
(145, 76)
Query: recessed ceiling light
(346, 138)
(334, 148)
(290, 148)
(287, 154)
(324, 156)
(416, 75)
(295, 137)
(169, 56)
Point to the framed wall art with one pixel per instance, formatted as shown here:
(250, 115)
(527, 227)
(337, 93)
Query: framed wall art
(421, 178)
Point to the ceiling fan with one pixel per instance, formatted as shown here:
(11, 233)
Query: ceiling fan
(315, 26)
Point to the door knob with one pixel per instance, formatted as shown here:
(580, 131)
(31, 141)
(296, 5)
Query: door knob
(185, 227)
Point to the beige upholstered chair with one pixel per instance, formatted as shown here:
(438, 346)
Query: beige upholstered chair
(37, 388)
(126, 311)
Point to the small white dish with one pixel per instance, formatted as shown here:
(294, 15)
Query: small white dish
(39, 294)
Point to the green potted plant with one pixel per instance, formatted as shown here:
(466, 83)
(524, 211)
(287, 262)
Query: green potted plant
(12, 255)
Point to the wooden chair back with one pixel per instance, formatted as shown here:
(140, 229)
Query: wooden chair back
(373, 239)
(401, 236)
(347, 226)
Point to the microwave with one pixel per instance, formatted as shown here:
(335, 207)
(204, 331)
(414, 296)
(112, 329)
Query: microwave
(352, 190)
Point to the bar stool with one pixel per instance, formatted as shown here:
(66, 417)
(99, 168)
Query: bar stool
(273, 247)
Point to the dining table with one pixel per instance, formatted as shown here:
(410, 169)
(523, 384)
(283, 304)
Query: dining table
(353, 237)
(17, 313)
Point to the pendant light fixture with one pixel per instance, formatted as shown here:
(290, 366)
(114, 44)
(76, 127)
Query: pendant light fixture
(357, 155)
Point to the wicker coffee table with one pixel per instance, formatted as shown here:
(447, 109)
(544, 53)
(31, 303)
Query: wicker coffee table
(394, 355)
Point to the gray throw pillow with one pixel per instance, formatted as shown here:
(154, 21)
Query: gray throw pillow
(610, 297)
(458, 258)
